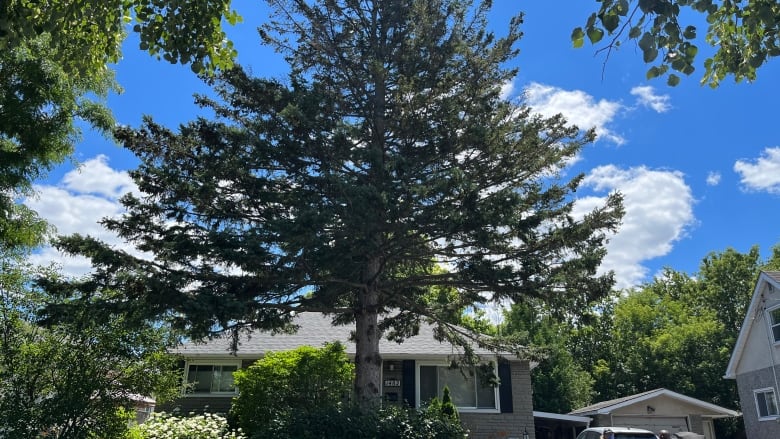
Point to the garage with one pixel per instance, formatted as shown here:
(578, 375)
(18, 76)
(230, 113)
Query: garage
(673, 424)
(657, 410)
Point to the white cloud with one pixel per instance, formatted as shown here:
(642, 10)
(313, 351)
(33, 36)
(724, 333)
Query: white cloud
(578, 107)
(507, 89)
(762, 174)
(713, 178)
(659, 210)
(84, 197)
(95, 177)
(646, 97)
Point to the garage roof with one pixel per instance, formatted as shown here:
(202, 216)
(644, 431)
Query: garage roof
(606, 407)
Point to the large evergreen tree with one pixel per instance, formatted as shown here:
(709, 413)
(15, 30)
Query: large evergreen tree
(386, 153)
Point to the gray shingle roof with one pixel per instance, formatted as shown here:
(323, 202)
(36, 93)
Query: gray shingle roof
(594, 408)
(773, 274)
(315, 329)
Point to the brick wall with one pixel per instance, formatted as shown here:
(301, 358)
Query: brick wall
(507, 425)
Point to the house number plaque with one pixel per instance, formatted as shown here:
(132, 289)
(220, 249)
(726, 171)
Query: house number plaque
(392, 383)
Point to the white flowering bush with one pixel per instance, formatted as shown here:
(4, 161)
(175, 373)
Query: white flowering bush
(166, 426)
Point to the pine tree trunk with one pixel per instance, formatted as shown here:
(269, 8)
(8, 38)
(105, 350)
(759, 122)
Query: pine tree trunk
(368, 361)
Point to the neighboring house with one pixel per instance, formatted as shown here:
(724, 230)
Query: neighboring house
(144, 407)
(413, 372)
(657, 410)
(755, 360)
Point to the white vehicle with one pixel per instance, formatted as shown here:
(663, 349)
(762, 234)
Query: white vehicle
(617, 433)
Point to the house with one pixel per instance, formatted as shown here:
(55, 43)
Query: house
(755, 360)
(657, 410)
(144, 407)
(412, 372)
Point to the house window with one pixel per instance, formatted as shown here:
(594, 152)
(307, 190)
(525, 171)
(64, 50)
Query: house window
(469, 391)
(766, 403)
(774, 321)
(208, 378)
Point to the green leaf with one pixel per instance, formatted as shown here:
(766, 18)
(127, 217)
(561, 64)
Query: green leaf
(646, 5)
(233, 18)
(577, 37)
(591, 21)
(653, 72)
(671, 29)
(647, 41)
(595, 35)
(673, 80)
(689, 33)
(634, 32)
(622, 7)
(756, 60)
(650, 55)
(610, 22)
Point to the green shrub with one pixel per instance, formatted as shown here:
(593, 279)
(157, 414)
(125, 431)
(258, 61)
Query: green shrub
(299, 394)
(280, 385)
(346, 421)
(165, 426)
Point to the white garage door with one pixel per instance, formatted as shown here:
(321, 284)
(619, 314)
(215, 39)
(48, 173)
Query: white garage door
(652, 423)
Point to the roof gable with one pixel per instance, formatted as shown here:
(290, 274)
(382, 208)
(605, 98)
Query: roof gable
(766, 279)
(607, 407)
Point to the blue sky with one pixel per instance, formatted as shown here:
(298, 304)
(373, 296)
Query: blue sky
(699, 168)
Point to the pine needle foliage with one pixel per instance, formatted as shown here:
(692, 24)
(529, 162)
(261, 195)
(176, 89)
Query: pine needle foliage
(387, 153)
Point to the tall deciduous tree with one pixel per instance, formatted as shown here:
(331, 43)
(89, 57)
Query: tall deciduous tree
(39, 105)
(70, 380)
(386, 152)
(54, 61)
(745, 35)
(676, 332)
(560, 384)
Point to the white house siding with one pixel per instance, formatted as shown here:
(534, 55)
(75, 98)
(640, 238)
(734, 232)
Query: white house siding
(759, 350)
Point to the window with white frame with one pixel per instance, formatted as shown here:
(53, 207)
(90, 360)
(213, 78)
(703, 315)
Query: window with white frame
(468, 389)
(774, 321)
(209, 378)
(766, 403)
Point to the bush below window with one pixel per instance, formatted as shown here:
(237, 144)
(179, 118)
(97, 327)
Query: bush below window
(349, 422)
(282, 384)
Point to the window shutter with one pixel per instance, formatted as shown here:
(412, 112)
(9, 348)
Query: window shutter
(408, 383)
(505, 388)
